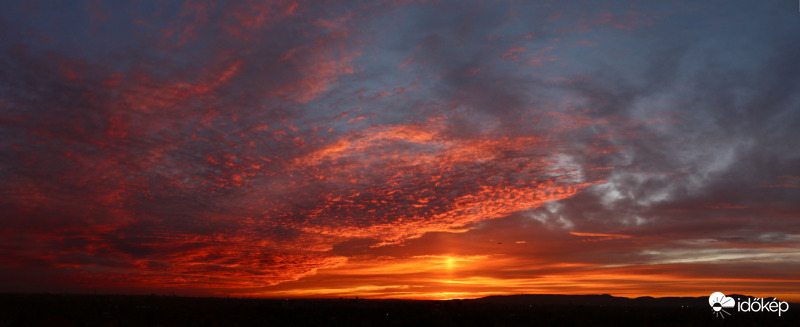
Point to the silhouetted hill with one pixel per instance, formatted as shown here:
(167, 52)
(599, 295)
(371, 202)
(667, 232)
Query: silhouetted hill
(594, 300)
(512, 310)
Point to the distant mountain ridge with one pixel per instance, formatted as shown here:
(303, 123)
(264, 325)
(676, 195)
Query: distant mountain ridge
(602, 300)
(510, 310)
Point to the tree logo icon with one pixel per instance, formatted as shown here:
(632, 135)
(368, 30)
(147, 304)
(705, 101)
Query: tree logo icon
(718, 301)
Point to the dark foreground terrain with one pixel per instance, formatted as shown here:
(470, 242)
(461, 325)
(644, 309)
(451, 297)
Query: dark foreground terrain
(518, 310)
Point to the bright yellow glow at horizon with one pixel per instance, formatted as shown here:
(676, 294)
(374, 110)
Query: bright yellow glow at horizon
(442, 277)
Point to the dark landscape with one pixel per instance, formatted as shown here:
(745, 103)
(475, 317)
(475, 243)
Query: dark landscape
(370, 162)
(514, 310)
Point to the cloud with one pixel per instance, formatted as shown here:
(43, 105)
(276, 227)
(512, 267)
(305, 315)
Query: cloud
(270, 148)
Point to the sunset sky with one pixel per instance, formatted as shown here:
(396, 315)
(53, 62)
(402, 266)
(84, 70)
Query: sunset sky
(400, 149)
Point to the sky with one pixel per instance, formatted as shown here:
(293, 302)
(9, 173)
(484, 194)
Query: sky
(400, 149)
